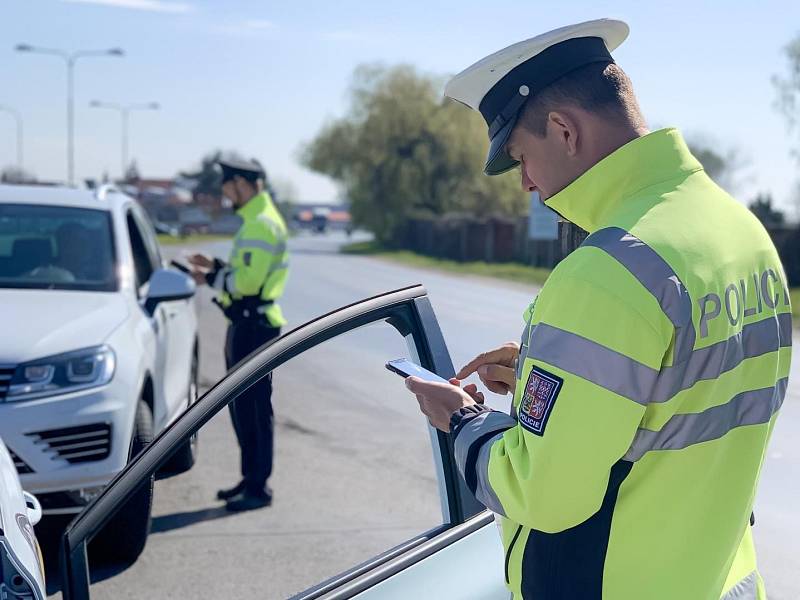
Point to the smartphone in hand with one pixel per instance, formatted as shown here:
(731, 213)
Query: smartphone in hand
(180, 266)
(406, 368)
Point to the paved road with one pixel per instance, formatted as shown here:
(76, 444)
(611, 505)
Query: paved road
(354, 474)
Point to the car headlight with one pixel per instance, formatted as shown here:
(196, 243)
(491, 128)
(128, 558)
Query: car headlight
(70, 372)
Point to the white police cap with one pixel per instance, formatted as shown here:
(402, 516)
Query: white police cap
(498, 86)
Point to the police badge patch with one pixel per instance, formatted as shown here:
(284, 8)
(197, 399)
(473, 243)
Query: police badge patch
(538, 399)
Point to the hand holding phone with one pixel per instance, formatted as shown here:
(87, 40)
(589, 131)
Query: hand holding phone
(406, 368)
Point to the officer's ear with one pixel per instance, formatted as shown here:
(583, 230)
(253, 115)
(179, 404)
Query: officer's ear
(564, 128)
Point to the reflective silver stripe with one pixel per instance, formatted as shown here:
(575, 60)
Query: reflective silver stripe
(269, 222)
(657, 277)
(681, 431)
(690, 366)
(592, 361)
(712, 361)
(636, 381)
(746, 589)
(523, 346)
(278, 248)
(484, 492)
(476, 428)
(278, 267)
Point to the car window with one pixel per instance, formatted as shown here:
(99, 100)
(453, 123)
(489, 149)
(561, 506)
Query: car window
(54, 247)
(344, 490)
(358, 472)
(143, 262)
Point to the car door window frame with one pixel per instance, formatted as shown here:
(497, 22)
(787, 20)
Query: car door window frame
(408, 310)
(148, 233)
(134, 230)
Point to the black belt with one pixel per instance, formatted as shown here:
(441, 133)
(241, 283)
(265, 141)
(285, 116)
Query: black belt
(244, 309)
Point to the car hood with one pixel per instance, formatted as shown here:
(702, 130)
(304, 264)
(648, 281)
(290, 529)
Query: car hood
(40, 323)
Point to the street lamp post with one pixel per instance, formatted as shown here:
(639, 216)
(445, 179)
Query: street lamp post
(18, 117)
(125, 110)
(70, 58)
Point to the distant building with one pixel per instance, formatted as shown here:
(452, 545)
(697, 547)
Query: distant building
(169, 203)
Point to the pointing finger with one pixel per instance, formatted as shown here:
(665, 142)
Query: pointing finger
(482, 359)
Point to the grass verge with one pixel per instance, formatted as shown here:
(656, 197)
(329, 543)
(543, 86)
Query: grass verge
(509, 271)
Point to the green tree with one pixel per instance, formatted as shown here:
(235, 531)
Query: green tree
(207, 179)
(763, 209)
(788, 87)
(788, 102)
(402, 149)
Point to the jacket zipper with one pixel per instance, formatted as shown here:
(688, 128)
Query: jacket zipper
(511, 549)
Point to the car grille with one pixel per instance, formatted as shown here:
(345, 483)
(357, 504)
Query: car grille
(22, 467)
(6, 373)
(77, 444)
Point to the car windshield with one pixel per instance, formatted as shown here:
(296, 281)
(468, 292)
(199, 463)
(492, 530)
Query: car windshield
(54, 247)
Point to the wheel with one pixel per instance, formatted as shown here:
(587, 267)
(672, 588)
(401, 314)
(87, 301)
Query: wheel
(124, 536)
(185, 457)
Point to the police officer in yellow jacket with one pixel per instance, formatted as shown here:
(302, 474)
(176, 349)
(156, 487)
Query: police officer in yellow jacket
(653, 362)
(250, 284)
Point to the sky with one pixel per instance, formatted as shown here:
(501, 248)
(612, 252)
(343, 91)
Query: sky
(262, 77)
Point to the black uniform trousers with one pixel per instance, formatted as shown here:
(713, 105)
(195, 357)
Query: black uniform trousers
(251, 412)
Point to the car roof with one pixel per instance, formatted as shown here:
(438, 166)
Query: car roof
(104, 197)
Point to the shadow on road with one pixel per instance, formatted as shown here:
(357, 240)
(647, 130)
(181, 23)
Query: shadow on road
(51, 530)
(174, 521)
(49, 534)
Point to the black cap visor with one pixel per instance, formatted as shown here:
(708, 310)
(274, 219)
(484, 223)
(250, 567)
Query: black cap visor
(498, 160)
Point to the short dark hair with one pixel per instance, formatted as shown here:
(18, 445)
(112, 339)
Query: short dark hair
(602, 88)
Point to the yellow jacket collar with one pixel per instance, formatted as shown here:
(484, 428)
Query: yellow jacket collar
(253, 207)
(592, 198)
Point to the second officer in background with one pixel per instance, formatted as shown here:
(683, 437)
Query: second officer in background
(250, 284)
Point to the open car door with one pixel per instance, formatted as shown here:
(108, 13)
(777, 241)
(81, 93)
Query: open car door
(460, 557)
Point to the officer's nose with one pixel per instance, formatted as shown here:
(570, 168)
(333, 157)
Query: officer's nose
(527, 182)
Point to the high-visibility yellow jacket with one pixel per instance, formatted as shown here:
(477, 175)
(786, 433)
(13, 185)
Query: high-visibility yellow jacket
(259, 261)
(653, 365)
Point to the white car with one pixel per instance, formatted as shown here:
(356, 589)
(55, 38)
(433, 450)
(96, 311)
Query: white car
(99, 348)
(21, 568)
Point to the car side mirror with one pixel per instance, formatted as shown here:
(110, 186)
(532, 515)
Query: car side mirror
(34, 508)
(166, 285)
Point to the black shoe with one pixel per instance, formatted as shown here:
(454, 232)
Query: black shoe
(246, 501)
(231, 492)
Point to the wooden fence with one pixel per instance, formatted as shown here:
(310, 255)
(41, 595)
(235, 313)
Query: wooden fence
(498, 239)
